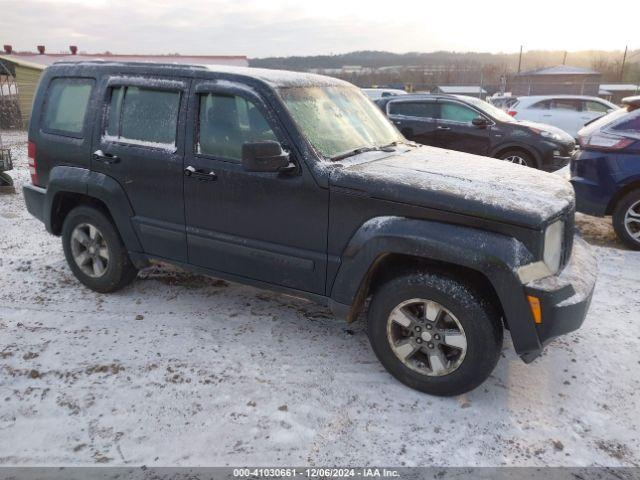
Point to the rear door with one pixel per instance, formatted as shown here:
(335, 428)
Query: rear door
(456, 132)
(416, 119)
(140, 143)
(535, 112)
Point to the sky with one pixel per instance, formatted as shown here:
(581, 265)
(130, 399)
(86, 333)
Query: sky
(283, 28)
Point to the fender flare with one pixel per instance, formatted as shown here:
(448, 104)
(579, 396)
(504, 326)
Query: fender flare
(493, 255)
(97, 185)
(629, 184)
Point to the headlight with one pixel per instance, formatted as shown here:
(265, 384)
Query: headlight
(545, 133)
(551, 135)
(553, 237)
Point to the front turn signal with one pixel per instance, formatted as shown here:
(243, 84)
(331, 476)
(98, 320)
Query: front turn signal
(534, 303)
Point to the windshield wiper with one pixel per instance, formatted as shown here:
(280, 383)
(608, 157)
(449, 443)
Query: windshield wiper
(395, 143)
(353, 152)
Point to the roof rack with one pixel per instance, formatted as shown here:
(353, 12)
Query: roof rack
(100, 61)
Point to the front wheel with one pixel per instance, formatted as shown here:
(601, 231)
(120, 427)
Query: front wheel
(434, 333)
(518, 157)
(626, 219)
(94, 251)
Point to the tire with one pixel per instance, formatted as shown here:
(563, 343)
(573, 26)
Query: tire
(626, 219)
(98, 260)
(524, 158)
(466, 365)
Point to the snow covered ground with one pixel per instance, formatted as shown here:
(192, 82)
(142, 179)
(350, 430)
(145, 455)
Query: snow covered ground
(180, 369)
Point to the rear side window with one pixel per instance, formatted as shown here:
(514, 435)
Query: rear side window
(66, 105)
(544, 105)
(143, 116)
(567, 104)
(414, 109)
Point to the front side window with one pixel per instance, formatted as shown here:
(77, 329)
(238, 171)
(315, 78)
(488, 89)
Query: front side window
(414, 109)
(591, 106)
(143, 116)
(66, 105)
(228, 121)
(456, 112)
(338, 119)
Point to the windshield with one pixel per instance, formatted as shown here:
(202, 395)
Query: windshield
(338, 119)
(489, 109)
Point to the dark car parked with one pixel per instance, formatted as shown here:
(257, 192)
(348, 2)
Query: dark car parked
(298, 183)
(605, 172)
(472, 125)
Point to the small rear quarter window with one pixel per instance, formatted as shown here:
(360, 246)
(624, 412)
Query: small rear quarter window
(66, 105)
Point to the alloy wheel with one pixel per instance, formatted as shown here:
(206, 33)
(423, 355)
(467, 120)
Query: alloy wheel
(90, 250)
(517, 159)
(426, 337)
(632, 221)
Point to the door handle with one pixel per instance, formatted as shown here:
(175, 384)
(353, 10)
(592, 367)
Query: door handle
(202, 175)
(440, 127)
(107, 158)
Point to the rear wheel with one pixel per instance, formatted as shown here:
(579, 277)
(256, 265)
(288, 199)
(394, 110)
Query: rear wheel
(94, 251)
(519, 157)
(626, 219)
(434, 333)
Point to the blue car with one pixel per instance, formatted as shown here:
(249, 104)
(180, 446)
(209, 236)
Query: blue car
(605, 171)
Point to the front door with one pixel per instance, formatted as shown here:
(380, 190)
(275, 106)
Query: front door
(416, 119)
(270, 227)
(457, 132)
(565, 114)
(141, 145)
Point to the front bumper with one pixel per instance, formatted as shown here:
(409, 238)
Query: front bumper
(564, 298)
(556, 156)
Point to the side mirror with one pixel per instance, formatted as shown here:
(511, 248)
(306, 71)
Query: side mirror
(266, 156)
(480, 122)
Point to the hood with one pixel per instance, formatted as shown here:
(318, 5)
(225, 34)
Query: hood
(549, 128)
(460, 183)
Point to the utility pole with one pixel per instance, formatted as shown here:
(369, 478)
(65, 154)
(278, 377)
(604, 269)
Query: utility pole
(624, 59)
(564, 59)
(520, 59)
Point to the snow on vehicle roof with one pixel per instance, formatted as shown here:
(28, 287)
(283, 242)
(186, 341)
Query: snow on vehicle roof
(280, 78)
(275, 78)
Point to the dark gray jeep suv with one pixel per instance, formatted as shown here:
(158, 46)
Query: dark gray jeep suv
(298, 183)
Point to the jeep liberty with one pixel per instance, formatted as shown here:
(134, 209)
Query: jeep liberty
(299, 184)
